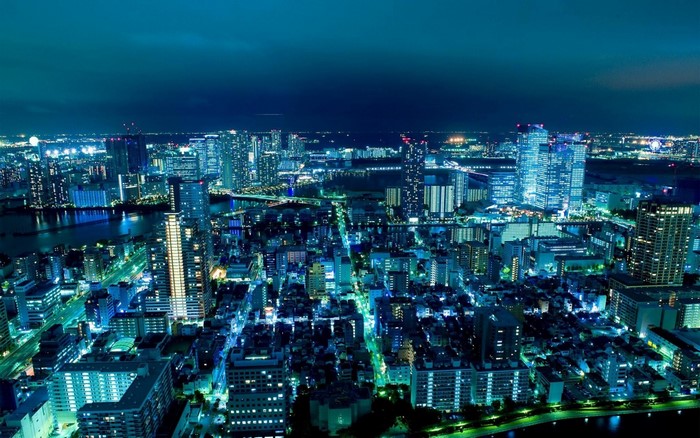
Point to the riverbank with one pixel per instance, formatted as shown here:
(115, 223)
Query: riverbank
(464, 430)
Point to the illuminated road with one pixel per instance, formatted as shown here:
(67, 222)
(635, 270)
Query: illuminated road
(380, 376)
(72, 311)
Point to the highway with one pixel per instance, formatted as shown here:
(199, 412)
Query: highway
(72, 311)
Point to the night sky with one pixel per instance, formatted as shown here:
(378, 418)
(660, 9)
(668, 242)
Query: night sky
(90, 66)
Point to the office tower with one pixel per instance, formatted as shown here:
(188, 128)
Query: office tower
(37, 185)
(412, 178)
(5, 339)
(235, 173)
(188, 268)
(497, 336)
(57, 184)
(257, 385)
(661, 240)
(460, 181)
(268, 163)
(126, 154)
(208, 154)
(501, 188)
(27, 265)
(99, 308)
(183, 163)
(439, 197)
(530, 137)
(126, 399)
(561, 168)
(93, 265)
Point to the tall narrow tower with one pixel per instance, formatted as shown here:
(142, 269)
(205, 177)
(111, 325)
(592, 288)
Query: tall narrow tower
(661, 240)
(412, 177)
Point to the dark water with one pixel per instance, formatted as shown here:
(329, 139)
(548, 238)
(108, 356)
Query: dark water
(76, 228)
(659, 424)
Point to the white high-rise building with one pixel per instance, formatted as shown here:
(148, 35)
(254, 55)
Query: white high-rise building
(530, 137)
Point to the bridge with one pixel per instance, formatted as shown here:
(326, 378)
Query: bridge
(276, 200)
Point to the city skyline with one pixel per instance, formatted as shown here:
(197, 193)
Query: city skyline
(365, 67)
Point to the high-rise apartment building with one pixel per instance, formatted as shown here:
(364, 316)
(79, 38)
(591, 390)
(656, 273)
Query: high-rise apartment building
(191, 198)
(126, 154)
(187, 268)
(268, 164)
(235, 172)
(295, 145)
(412, 178)
(127, 398)
(439, 197)
(661, 240)
(56, 184)
(530, 137)
(561, 168)
(257, 385)
(37, 185)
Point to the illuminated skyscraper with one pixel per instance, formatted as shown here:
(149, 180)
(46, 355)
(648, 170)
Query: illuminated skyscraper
(268, 163)
(209, 155)
(183, 163)
(57, 184)
(276, 140)
(560, 171)
(235, 173)
(501, 187)
(660, 244)
(530, 137)
(126, 154)
(412, 177)
(37, 185)
(187, 268)
(191, 198)
(295, 145)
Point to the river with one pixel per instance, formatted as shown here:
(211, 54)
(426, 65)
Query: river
(42, 231)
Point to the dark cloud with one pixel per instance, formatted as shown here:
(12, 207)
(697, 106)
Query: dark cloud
(361, 65)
